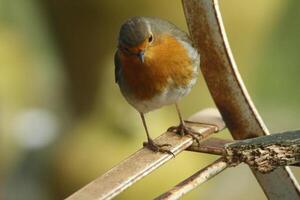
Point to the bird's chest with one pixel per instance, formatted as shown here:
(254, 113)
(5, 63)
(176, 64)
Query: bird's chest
(167, 65)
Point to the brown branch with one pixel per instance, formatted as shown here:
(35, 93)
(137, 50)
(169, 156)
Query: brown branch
(211, 145)
(195, 180)
(267, 152)
(144, 161)
(263, 154)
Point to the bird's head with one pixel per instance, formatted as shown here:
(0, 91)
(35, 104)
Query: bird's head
(136, 37)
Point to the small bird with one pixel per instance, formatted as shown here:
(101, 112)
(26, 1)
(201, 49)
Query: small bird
(155, 65)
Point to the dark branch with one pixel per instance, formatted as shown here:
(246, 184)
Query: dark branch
(267, 152)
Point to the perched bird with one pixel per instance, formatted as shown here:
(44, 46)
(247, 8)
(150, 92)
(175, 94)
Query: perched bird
(155, 65)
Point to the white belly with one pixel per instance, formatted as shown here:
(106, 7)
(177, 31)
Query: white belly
(169, 96)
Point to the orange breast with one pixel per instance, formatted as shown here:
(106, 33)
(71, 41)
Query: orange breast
(166, 64)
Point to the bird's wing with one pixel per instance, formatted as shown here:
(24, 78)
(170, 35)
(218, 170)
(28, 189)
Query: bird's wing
(117, 66)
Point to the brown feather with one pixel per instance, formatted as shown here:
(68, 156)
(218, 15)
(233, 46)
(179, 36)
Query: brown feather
(167, 64)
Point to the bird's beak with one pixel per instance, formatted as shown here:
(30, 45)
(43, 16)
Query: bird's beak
(141, 56)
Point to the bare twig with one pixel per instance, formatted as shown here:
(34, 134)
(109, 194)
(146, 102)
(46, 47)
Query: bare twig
(195, 180)
(144, 161)
(228, 90)
(267, 152)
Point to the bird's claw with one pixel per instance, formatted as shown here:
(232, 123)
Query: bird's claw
(183, 130)
(158, 147)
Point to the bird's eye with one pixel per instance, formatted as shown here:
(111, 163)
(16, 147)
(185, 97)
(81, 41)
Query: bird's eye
(150, 39)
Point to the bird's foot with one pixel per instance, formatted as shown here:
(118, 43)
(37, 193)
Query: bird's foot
(158, 147)
(183, 130)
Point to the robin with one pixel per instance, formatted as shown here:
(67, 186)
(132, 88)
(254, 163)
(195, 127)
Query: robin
(155, 65)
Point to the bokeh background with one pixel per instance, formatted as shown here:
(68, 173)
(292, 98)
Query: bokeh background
(63, 121)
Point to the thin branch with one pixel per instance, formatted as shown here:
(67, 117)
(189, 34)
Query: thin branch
(144, 161)
(195, 180)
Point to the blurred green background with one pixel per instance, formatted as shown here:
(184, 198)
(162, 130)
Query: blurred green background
(63, 121)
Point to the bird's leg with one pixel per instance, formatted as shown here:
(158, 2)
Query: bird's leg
(182, 129)
(151, 144)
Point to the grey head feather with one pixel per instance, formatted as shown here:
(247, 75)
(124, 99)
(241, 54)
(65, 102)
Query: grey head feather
(135, 30)
(161, 26)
